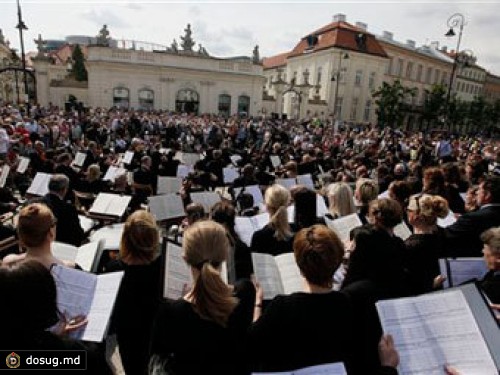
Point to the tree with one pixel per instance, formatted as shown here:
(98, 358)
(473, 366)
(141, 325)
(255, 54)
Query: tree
(392, 103)
(434, 104)
(457, 112)
(477, 113)
(78, 71)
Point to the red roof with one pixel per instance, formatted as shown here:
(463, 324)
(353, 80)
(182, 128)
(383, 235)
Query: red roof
(275, 61)
(62, 54)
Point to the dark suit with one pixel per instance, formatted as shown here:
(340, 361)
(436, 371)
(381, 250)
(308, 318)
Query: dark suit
(490, 284)
(68, 228)
(462, 238)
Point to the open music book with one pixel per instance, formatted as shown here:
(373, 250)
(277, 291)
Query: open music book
(275, 160)
(177, 274)
(230, 174)
(23, 164)
(85, 256)
(277, 274)
(184, 170)
(287, 183)
(306, 180)
(40, 184)
(79, 159)
(448, 220)
(111, 234)
(460, 270)
(164, 207)
(343, 225)
(326, 369)
(83, 293)
(254, 190)
(321, 209)
(169, 185)
(4, 175)
(127, 158)
(402, 231)
(206, 198)
(113, 172)
(454, 327)
(245, 226)
(110, 204)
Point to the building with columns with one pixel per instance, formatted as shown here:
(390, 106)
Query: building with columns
(146, 76)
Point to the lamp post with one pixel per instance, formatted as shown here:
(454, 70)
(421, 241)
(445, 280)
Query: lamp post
(455, 20)
(22, 26)
(336, 78)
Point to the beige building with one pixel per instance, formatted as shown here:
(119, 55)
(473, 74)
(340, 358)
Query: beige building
(469, 77)
(155, 77)
(491, 90)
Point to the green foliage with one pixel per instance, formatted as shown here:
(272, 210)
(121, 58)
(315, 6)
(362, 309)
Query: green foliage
(391, 100)
(434, 104)
(78, 71)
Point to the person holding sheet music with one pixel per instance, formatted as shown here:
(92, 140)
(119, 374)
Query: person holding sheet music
(276, 237)
(490, 283)
(38, 324)
(204, 332)
(311, 327)
(69, 229)
(340, 200)
(426, 245)
(92, 182)
(93, 155)
(139, 295)
(305, 212)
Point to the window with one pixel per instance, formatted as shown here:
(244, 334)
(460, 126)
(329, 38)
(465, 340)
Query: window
(354, 108)
(225, 105)
(359, 77)
(371, 80)
(437, 75)
(428, 75)
(338, 107)
(342, 76)
(146, 99)
(414, 98)
(318, 76)
(444, 79)
(243, 104)
(121, 97)
(399, 67)
(366, 115)
(409, 70)
(419, 72)
(388, 67)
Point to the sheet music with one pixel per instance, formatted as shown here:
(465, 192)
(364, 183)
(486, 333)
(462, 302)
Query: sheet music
(435, 329)
(230, 174)
(4, 175)
(267, 274)
(287, 183)
(111, 234)
(402, 231)
(169, 185)
(110, 204)
(245, 227)
(106, 290)
(127, 158)
(168, 206)
(63, 251)
(86, 223)
(177, 273)
(235, 159)
(447, 221)
(254, 190)
(326, 369)
(463, 196)
(343, 225)
(80, 159)
(184, 170)
(275, 160)
(321, 209)
(40, 184)
(290, 274)
(23, 164)
(113, 172)
(189, 158)
(306, 180)
(86, 254)
(461, 270)
(383, 195)
(206, 198)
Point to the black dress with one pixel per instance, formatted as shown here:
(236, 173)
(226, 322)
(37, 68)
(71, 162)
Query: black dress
(264, 241)
(185, 343)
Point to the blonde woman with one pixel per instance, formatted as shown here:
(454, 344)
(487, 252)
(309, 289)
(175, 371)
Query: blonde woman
(340, 200)
(203, 332)
(139, 296)
(427, 244)
(276, 237)
(366, 191)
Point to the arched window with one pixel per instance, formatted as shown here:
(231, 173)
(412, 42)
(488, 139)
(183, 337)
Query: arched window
(121, 97)
(225, 105)
(243, 105)
(146, 99)
(187, 101)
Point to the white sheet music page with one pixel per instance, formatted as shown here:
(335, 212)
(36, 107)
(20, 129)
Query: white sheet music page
(306, 180)
(230, 174)
(23, 164)
(267, 274)
(432, 330)
(127, 158)
(80, 159)
(287, 183)
(184, 170)
(111, 234)
(206, 198)
(255, 191)
(169, 185)
(86, 254)
(462, 270)
(275, 160)
(290, 274)
(247, 226)
(343, 226)
(447, 221)
(402, 231)
(40, 184)
(118, 205)
(63, 251)
(101, 203)
(4, 175)
(168, 206)
(177, 273)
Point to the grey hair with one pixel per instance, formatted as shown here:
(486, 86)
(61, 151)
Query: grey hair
(58, 183)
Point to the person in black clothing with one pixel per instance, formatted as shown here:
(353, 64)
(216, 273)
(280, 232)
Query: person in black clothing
(490, 284)
(27, 327)
(64, 167)
(204, 332)
(305, 210)
(93, 155)
(168, 166)
(426, 245)
(216, 167)
(434, 184)
(68, 228)
(139, 295)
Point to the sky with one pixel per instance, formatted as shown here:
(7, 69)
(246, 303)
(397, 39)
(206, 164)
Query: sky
(229, 28)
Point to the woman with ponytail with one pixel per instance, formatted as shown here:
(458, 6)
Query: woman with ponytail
(276, 237)
(204, 332)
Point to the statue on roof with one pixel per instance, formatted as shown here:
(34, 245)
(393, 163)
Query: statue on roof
(103, 38)
(40, 45)
(187, 41)
(174, 46)
(256, 55)
(2, 38)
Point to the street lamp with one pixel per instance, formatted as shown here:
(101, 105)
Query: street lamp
(336, 78)
(22, 26)
(282, 87)
(455, 20)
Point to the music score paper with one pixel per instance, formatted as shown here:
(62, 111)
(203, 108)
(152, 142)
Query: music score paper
(169, 185)
(432, 330)
(343, 225)
(460, 270)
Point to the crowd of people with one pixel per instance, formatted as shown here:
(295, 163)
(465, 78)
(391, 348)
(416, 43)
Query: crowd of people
(384, 176)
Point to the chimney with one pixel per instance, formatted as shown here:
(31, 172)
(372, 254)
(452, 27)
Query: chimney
(388, 35)
(361, 25)
(339, 17)
(410, 43)
(435, 45)
(444, 49)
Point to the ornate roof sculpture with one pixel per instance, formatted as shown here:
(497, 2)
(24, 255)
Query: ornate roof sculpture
(187, 41)
(103, 37)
